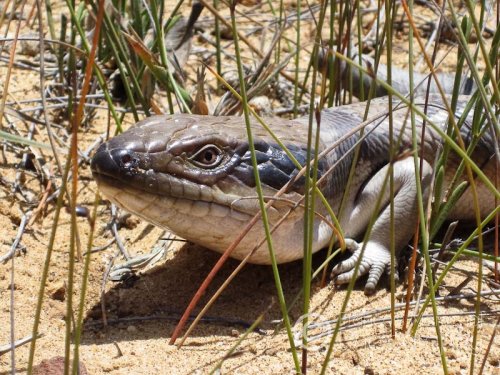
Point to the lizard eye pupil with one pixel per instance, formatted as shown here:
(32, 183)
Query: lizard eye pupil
(209, 156)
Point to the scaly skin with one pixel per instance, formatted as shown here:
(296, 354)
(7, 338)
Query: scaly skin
(193, 176)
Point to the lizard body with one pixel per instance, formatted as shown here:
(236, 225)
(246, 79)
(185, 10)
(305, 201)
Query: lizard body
(193, 175)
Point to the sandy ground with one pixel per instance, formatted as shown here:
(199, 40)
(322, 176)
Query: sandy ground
(142, 312)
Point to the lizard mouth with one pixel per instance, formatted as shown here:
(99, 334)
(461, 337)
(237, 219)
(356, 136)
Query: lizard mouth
(157, 208)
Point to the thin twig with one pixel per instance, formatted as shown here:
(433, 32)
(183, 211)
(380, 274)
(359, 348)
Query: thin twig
(15, 244)
(103, 288)
(490, 343)
(352, 321)
(8, 347)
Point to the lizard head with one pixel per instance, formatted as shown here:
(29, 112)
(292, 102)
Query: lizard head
(194, 176)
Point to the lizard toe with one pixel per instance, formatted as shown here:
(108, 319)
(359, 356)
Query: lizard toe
(396, 273)
(376, 259)
(345, 277)
(346, 266)
(344, 271)
(376, 271)
(351, 245)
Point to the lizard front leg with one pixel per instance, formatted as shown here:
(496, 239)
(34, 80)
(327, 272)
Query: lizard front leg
(376, 255)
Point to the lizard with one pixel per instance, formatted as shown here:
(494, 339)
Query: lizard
(193, 176)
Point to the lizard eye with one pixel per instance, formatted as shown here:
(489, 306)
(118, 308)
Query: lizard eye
(209, 156)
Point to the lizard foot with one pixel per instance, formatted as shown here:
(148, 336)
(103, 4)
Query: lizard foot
(376, 259)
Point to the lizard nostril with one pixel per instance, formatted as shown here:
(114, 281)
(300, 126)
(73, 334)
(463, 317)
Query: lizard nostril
(126, 158)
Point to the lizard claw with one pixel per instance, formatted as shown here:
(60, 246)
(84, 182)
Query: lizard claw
(376, 259)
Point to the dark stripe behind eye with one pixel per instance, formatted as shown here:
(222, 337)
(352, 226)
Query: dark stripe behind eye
(275, 167)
